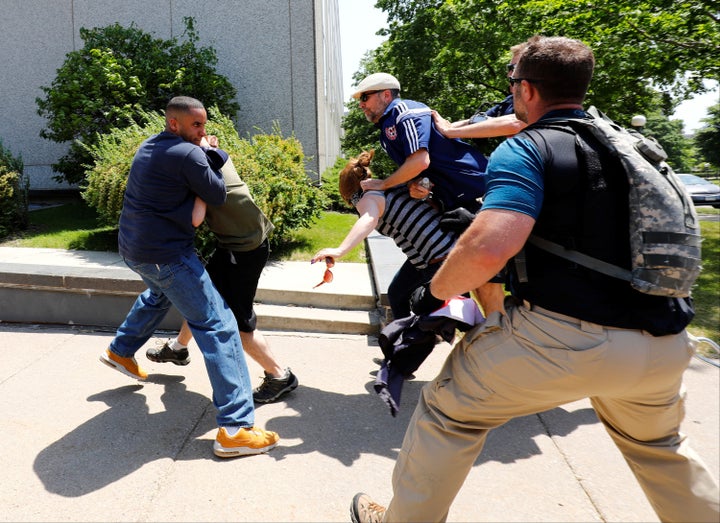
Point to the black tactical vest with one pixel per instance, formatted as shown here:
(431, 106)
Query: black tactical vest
(585, 208)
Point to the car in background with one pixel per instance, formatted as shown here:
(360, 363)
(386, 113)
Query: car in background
(701, 191)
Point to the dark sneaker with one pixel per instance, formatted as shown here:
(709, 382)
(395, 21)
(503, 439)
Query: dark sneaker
(246, 442)
(272, 388)
(164, 354)
(127, 366)
(365, 510)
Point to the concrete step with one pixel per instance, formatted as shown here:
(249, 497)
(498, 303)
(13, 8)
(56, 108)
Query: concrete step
(96, 289)
(313, 319)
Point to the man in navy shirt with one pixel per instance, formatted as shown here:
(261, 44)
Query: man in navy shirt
(156, 240)
(407, 133)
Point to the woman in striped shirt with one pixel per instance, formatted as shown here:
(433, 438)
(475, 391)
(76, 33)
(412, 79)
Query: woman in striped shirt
(413, 224)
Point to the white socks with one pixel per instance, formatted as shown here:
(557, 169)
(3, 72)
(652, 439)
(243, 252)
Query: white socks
(174, 345)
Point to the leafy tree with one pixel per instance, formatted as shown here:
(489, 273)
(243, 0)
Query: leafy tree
(119, 73)
(640, 46)
(707, 139)
(451, 54)
(670, 135)
(460, 46)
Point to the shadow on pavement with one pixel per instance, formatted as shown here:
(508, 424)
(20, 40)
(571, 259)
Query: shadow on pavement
(126, 437)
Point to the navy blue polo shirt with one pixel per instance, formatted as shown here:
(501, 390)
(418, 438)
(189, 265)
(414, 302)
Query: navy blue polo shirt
(456, 168)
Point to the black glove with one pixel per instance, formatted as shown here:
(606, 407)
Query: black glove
(500, 277)
(423, 302)
(456, 220)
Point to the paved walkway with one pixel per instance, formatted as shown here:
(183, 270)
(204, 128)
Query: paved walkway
(82, 442)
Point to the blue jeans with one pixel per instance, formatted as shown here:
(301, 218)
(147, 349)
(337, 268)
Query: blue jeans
(186, 285)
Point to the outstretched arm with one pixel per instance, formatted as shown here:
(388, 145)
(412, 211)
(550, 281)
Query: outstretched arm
(200, 207)
(498, 126)
(371, 207)
(481, 252)
(441, 124)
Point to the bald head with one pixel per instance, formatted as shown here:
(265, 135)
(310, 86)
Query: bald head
(186, 117)
(182, 105)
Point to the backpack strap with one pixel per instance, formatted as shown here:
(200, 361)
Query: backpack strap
(580, 258)
(590, 163)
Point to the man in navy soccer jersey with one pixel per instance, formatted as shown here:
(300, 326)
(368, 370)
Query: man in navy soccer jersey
(407, 133)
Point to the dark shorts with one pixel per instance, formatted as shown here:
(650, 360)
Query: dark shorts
(236, 275)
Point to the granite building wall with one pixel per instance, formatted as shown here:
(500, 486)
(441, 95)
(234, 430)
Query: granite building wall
(282, 56)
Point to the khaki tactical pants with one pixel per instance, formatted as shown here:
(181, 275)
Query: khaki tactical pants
(532, 360)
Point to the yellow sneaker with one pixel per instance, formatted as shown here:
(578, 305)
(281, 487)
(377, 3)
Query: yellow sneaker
(127, 366)
(247, 441)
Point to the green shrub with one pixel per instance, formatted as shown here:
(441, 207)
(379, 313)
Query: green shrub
(274, 169)
(111, 157)
(271, 165)
(119, 74)
(14, 187)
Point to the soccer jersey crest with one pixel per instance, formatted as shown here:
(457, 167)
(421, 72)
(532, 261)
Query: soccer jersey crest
(391, 132)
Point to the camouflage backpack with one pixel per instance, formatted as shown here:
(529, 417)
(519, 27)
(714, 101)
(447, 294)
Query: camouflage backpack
(664, 228)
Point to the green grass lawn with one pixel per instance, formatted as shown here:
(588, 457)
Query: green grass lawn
(329, 231)
(74, 226)
(707, 288)
(69, 226)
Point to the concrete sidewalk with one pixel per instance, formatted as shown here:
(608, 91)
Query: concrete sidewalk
(82, 442)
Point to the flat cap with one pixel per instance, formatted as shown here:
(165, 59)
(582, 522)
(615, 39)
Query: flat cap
(376, 82)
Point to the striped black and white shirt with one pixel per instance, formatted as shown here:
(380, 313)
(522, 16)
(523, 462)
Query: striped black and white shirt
(414, 226)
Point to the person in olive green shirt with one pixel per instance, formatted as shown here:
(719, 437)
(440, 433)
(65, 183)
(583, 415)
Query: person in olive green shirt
(235, 267)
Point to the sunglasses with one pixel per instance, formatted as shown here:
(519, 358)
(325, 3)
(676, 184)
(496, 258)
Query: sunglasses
(328, 276)
(510, 68)
(367, 94)
(514, 81)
